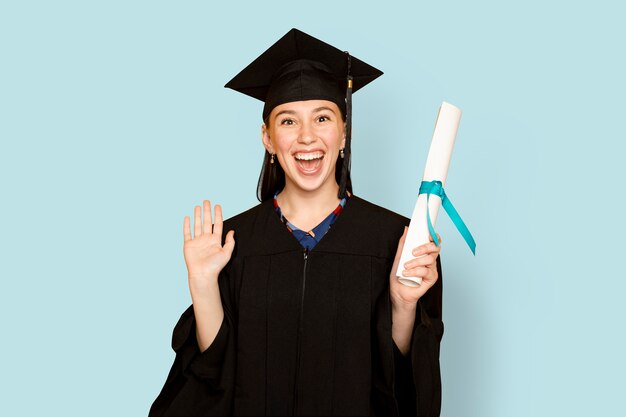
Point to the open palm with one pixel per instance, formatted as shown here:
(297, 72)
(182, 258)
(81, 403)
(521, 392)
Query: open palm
(204, 254)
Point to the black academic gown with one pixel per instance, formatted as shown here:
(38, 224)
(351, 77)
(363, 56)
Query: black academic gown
(308, 332)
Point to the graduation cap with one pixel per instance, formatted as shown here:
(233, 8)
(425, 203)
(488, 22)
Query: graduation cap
(300, 67)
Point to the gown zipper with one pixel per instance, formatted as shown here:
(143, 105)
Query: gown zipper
(299, 336)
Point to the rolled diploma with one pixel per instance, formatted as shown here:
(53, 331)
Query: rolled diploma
(437, 164)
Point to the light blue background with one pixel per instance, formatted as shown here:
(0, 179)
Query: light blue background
(114, 124)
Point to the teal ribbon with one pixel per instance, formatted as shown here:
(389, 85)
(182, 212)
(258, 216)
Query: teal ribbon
(436, 188)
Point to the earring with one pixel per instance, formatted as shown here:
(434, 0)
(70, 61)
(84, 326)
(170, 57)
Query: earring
(272, 159)
(341, 153)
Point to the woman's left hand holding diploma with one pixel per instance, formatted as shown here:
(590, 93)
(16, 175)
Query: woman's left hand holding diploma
(404, 298)
(424, 265)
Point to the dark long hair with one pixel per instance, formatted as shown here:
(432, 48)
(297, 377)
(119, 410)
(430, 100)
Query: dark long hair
(272, 177)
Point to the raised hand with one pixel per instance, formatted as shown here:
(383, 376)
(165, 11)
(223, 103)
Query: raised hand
(424, 265)
(204, 254)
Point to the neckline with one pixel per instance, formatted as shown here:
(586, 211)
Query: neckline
(286, 241)
(261, 233)
(340, 207)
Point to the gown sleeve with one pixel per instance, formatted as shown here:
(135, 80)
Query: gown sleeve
(201, 383)
(417, 376)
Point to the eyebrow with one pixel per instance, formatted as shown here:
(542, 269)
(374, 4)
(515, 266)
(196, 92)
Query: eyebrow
(323, 108)
(316, 110)
(284, 112)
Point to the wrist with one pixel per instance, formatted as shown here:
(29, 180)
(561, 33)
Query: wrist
(203, 286)
(203, 277)
(402, 306)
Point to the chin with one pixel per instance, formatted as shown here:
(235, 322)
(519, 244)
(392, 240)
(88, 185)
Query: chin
(311, 183)
(310, 186)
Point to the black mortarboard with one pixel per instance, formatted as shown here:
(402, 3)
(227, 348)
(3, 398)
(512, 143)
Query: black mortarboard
(300, 67)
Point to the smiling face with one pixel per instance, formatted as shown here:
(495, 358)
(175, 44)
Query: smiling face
(306, 137)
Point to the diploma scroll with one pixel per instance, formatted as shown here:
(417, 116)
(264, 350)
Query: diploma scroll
(437, 164)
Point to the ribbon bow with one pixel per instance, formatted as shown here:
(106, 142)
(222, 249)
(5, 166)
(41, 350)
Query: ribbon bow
(436, 187)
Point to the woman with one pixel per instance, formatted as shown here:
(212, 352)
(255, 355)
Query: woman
(296, 309)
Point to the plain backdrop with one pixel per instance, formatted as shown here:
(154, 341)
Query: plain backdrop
(114, 123)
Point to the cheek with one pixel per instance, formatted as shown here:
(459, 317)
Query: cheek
(282, 142)
(337, 142)
(333, 137)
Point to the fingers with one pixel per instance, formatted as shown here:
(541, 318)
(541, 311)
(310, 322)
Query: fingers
(425, 255)
(426, 248)
(425, 260)
(217, 229)
(197, 222)
(207, 224)
(438, 238)
(186, 229)
(427, 274)
(420, 271)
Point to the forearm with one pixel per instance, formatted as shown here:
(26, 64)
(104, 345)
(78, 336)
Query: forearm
(403, 320)
(209, 314)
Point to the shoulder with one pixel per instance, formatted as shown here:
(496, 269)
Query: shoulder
(247, 218)
(259, 231)
(369, 229)
(252, 222)
(382, 215)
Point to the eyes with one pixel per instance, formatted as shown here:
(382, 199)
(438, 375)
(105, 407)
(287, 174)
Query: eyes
(288, 121)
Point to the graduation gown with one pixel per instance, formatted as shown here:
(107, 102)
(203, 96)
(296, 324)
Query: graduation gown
(308, 332)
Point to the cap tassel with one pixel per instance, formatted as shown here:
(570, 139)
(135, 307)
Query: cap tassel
(345, 168)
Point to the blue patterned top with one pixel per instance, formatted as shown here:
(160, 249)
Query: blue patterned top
(309, 239)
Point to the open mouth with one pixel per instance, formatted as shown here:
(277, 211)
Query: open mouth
(309, 161)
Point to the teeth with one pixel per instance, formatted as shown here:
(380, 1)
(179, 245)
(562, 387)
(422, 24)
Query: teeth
(308, 156)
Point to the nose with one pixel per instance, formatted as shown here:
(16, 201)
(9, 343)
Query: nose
(306, 133)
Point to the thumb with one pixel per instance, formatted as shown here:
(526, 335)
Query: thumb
(396, 261)
(229, 243)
